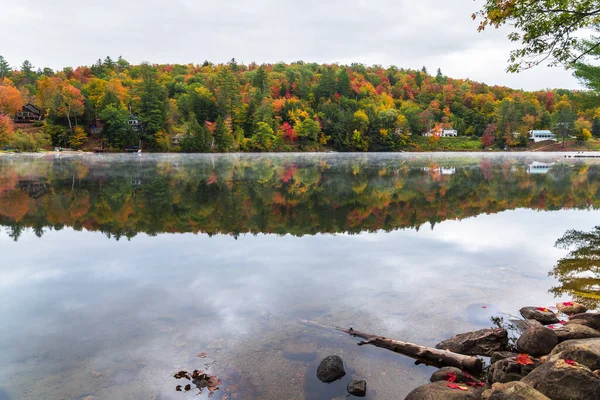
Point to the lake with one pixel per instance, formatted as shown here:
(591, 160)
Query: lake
(119, 270)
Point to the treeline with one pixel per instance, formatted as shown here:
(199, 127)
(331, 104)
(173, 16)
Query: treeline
(278, 107)
(277, 195)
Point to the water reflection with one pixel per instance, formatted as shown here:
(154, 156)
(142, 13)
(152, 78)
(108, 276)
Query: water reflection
(86, 316)
(579, 272)
(299, 195)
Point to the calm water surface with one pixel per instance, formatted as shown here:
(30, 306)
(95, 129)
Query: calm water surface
(117, 271)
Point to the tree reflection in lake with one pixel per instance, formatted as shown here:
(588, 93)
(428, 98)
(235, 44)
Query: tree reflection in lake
(579, 272)
(282, 194)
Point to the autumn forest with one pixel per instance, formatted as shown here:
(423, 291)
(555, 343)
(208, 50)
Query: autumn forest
(274, 107)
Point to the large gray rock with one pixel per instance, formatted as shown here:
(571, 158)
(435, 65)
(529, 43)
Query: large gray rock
(561, 381)
(440, 391)
(331, 369)
(537, 341)
(509, 370)
(501, 355)
(525, 324)
(591, 319)
(546, 317)
(515, 391)
(584, 351)
(571, 307)
(479, 343)
(357, 388)
(576, 331)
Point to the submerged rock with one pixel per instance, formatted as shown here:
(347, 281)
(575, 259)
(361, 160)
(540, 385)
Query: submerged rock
(540, 314)
(590, 319)
(441, 391)
(331, 369)
(571, 307)
(576, 331)
(525, 324)
(537, 341)
(514, 391)
(479, 343)
(357, 388)
(562, 381)
(583, 351)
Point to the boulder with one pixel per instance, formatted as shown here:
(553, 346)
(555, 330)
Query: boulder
(515, 391)
(440, 391)
(357, 388)
(571, 307)
(561, 381)
(540, 314)
(331, 369)
(501, 355)
(584, 351)
(479, 343)
(525, 324)
(575, 331)
(509, 370)
(537, 341)
(591, 319)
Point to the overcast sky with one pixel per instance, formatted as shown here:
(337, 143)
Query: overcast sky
(406, 33)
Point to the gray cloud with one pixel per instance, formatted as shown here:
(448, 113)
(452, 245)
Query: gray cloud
(404, 33)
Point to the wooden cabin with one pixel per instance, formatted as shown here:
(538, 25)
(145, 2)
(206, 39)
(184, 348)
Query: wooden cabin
(95, 127)
(134, 123)
(29, 113)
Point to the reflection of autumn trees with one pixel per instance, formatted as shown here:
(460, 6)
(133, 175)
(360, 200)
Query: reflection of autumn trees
(579, 271)
(281, 195)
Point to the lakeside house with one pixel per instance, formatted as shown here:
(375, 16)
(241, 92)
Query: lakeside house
(29, 113)
(134, 123)
(442, 133)
(95, 127)
(541, 135)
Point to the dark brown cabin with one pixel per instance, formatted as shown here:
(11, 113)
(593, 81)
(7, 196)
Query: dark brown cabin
(29, 113)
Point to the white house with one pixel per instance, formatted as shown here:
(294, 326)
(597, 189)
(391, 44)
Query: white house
(541, 135)
(449, 133)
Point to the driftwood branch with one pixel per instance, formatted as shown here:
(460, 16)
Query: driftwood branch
(423, 355)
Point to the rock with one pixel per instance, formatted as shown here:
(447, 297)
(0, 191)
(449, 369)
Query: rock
(515, 391)
(443, 374)
(571, 308)
(501, 355)
(591, 319)
(440, 391)
(357, 388)
(537, 341)
(584, 351)
(509, 370)
(506, 370)
(525, 324)
(540, 314)
(561, 381)
(479, 343)
(575, 331)
(331, 369)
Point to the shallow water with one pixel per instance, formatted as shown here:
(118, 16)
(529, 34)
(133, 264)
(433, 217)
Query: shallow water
(118, 270)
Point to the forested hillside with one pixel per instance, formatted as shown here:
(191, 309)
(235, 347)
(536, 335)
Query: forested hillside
(274, 107)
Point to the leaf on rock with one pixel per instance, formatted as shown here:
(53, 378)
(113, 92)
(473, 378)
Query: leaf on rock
(543, 309)
(524, 359)
(201, 355)
(455, 386)
(568, 303)
(451, 377)
(569, 361)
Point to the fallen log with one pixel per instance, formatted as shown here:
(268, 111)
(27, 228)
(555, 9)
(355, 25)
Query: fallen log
(422, 354)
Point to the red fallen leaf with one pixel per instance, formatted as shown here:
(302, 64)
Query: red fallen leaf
(524, 359)
(570, 362)
(451, 377)
(201, 355)
(476, 384)
(543, 309)
(550, 327)
(562, 322)
(568, 303)
(455, 386)
(483, 306)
